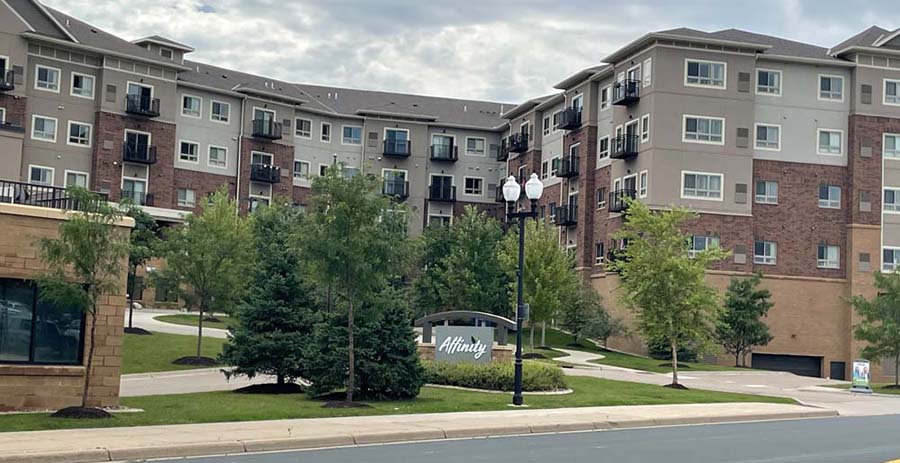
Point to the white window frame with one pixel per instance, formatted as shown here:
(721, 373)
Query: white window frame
(709, 242)
(34, 118)
(756, 127)
(213, 115)
(604, 104)
(603, 154)
(199, 107)
(185, 203)
(271, 157)
(320, 172)
(554, 126)
(819, 88)
(2, 115)
(37, 69)
(721, 197)
(684, 137)
(87, 177)
(439, 214)
(308, 169)
(724, 85)
(171, 53)
(643, 184)
(322, 136)
(601, 199)
(554, 166)
(895, 264)
(646, 74)
(467, 177)
(484, 147)
(830, 202)
(765, 198)
(308, 135)
(264, 110)
(819, 147)
(625, 181)
(129, 83)
(209, 156)
(90, 140)
(827, 263)
(72, 85)
(343, 142)
(895, 207)
(645, 128)
(48, 168)
(547, 125)
(179, 154)
(766, 259)
(884, 152)
(780, 82)
(884, 92)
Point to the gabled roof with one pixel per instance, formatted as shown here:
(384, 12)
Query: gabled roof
(685, 34)
(160, 40)
(777, 45)
(528, 106)
(871, 38)
(38, 19)
(581, 76)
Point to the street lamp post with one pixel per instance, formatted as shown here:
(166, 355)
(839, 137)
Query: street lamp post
(511, 193)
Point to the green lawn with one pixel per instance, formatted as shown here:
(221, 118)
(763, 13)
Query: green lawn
(144, 354)
(879, 388)
(229, 406)
(191, 320)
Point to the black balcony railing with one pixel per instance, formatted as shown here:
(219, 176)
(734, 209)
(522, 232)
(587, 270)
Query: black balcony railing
(626, 92)
(265, 173)
(11, 127)
(441, 192)
(266, 128)
(397, 188)
(518, 143)
(618, 199)
(139, 154)
(568, 166)
(39, 195)
(397, 148)
(7, 80)
(570, 119)
(503, 151)
(567, 215)
(142, 105)
(624, 147)
(138, 197)
(447, 153)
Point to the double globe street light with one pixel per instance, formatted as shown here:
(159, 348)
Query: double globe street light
(511, 193)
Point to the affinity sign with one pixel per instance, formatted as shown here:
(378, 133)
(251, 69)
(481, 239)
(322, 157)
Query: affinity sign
(471, 344)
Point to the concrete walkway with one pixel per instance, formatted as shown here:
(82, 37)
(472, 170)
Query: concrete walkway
(115, 444)
(184, 382)
(144, 318)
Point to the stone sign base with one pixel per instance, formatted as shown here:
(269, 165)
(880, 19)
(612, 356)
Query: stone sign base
(499, 353)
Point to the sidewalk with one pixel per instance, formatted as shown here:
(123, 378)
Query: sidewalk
(144, 318)
(115, 444)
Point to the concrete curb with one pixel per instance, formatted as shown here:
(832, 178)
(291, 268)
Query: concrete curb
(344, 440)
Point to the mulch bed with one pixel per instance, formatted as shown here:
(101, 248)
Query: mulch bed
(212, 319)
(139, 331)
(681, 387)
(345, 404)
(81, 413)
(680, 365)
(892, 386)
(196, 361)
(271, 388)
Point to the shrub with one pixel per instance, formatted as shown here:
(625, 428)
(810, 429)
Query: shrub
(495, 376)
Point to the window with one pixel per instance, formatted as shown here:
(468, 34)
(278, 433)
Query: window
(828, 256)
(831, 142)
(35, 331)
(829, 196)
(768, 82)
(702, 243)
(40, 175)
(190, 106)
(599, 255)
(603, 148)
(166, 53)
(766, 192)
(79, 134)
(768, 137)
(326, 132)
(645, 128)
(547, 124)
(352, 135)
(698, 129)
(323, 170)
(643, 184)
(2, 115)
(601, 197)
(552, 214)
(891, 146)
(46, 78)
(304, 128)
(301, 170)
(439, 220)
(892, 92)
(891, 200)
(82, 86)
(698, 185)
(43, 128)
(136, 190)
(474, 186)
(704, 73)
(554, 166)
(764, 252)
(218, 156)
(186, 198)
(831, 88)
(219, 111)
(604, 97)
(188, 151)
(545, 170)
(475, 146)
(76, 179)
(890, 259)
(578, 103)
(646, 73)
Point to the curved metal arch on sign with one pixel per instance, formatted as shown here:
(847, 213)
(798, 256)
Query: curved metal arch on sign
(504, 325)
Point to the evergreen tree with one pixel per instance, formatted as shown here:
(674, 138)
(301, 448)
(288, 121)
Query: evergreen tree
(740, 327)
(880, 325)
(584, 316)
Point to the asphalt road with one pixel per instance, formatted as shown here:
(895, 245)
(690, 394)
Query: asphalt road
(844, 440)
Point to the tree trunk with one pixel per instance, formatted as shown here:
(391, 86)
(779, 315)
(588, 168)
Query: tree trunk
(200, 329)
(351, 360)
(131, 297)
(737, 358)
(543, 334)
(532, 336)
(90, 356)
(280, 379)
(674, 362)
(897, 370)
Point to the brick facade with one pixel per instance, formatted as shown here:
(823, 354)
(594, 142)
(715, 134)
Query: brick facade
(282, 156)
(866, 137)
(203, 184)
(15, 109)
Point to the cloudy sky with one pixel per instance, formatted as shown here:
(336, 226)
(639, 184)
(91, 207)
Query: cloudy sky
(504, 51)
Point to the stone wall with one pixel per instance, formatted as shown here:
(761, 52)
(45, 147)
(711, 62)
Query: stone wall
(498, 353)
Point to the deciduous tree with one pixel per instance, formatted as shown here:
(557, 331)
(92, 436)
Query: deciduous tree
(880, 324)
(740, 327)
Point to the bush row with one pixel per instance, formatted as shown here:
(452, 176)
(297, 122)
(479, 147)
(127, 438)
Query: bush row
(495, 376)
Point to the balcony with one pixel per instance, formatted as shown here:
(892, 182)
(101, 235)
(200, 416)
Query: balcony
(568, 166)
(503, 151)
(518, 143)
(624, 147)
(397, 148)
(618, 200)
(138, 197)
(37, 195)
(445, 153)
(441, 192)
(265, 173)
(265, 128)
(626, 92)
(396, 188)
(7, 80)
(570, 119)
(141, 105)
(567, 215)
(139, 154)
